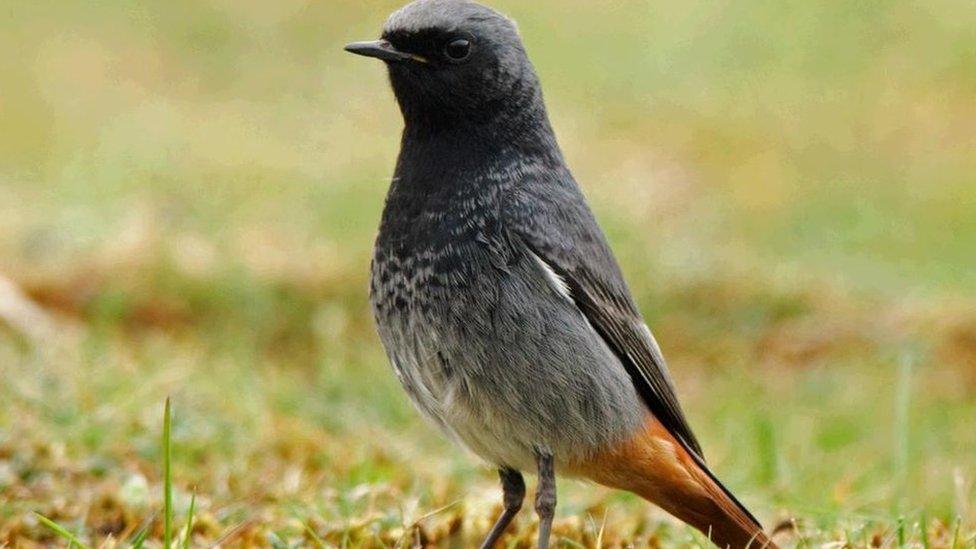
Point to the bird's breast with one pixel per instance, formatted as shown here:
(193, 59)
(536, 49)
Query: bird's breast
(405, 280)
(433, 256)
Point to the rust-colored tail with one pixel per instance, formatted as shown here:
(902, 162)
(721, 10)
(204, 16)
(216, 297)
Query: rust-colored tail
(656, 466)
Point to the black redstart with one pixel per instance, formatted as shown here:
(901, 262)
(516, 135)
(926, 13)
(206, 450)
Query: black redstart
(499, 302)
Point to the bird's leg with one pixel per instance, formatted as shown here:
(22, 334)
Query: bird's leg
(545, 496)
(513, 490)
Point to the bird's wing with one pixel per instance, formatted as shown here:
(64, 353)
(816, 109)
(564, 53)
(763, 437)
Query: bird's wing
(551, 219)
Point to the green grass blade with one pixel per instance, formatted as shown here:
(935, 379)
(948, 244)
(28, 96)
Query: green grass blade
(276, 541)
(925, 531)
(167, 478)
(319, 542)
(903, 403)
(140, 539)
(72, 540)
(189, 521)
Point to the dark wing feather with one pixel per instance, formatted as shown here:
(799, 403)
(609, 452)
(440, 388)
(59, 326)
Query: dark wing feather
(552, 220)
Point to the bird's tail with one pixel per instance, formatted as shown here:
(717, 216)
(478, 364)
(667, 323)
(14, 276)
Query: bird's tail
(656, 466)
(733, 525)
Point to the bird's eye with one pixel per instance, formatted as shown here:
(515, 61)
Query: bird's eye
(458, 50)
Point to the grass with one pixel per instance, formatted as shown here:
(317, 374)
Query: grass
(61, 531)
(139, 539)
(190, 191)
(188, 534)
(167, 478)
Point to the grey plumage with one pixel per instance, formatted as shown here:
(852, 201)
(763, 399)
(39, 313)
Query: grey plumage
(478, 211)
(499, 302)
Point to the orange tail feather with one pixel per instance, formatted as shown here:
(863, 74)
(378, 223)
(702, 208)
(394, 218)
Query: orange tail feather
(657, 467)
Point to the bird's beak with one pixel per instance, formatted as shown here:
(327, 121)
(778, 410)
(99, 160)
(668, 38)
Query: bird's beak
(381, 49)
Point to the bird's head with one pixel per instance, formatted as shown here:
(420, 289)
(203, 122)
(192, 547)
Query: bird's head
(453, 61)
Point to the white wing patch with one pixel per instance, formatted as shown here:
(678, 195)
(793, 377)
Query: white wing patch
(557, 282)
(655, 348)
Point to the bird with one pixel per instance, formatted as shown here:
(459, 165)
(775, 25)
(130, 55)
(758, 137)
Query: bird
(496, 295)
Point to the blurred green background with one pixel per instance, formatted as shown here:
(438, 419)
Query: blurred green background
(188, 196)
